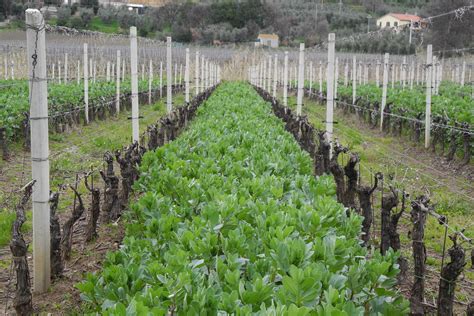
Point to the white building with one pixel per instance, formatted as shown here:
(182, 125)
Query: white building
(395, 20)
(271, 40)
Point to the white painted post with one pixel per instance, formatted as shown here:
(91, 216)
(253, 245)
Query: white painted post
(310, 77)
(275, 76)
(134, 74)
(86, 84)
(463, 73)
(169, 76)
(117, 85)
(66, 66)
(53, 73)
(330, 89)
(384, 88)
(143, 72)
(299, 101)
(429, 67)
(186, 76)
(354, 79)
(39, 150)
(108, 72)
(412, 74)
(123, 69)
(112, 72)
(150, 80)
(285, 81)
(12, 71)
(394, 70)
(434, 69)
(264, 64)
(180, 74)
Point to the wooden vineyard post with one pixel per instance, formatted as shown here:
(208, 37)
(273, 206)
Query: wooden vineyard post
(150, 80)
(384, 88)
(196, 73)
(299, 101)
(285, 81)
(354, 79)
(330, 89)
(169, 76)
(117, 84)
(275, 76)
(186, 76)
(86, 84)
(429, 67)
(134, 73)
(36, 46)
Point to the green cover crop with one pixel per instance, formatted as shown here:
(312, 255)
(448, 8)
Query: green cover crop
(14, 98)
(231, 220)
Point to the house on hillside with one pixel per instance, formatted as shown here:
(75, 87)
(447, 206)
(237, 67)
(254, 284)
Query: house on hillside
(397, 20)
(270, 40)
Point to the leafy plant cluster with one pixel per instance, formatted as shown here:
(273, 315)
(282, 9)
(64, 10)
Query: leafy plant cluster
(14, 99)
(453, 100)
(231, 220)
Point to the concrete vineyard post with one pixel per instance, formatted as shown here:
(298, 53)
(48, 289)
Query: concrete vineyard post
(336, 78)
(412, 74)
(463, 73)
(384, 88)
(354, 79)
(36, 45)
(429, 68)
(393, 68)
(310, 77)
(285, 81)
(117, 84)
(143, 72)
(161, 79)
(320, 77)
(275, 76)
(169, 76)
(134, 74)
(269, 74)
(417, 73)
(346, 74)
(434, 75)
(94, 70)
(196, 74)
(201, 86)
(186, 76)
(180, 74)
(66, 66)
(175, 74)
(107, 74)
(78, 75)
(330, 88)
(5, 68)
(150, 80)
(377, 74)
(112, 72)
(86, 84)
(53, 72)
(264, 63)
(59, 71)
(299, 102)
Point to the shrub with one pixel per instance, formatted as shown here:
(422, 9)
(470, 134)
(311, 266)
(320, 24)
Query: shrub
(107, 15)
(64, 14)
(86, 16)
